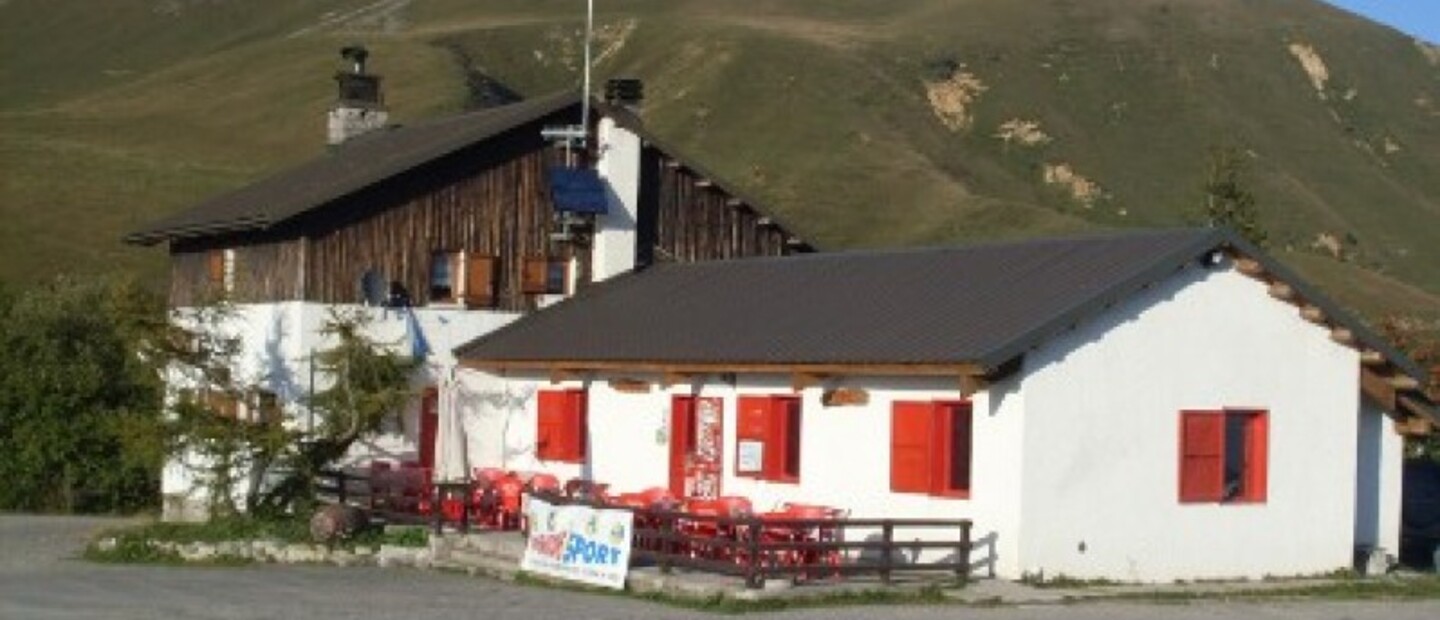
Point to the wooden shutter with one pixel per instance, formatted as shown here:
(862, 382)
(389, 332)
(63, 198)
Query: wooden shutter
(215, 267)
(752, 423)
(561, 426)
(911, 430)
(787, 439)
(550, 425)
(577, 427)
(1257, 457)
(535, 278)
(479, 281)
(1202, 456)
(951, 470)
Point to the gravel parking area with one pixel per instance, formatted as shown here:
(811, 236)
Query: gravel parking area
(41, 579)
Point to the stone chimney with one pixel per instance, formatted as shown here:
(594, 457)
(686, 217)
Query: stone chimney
(358, 108)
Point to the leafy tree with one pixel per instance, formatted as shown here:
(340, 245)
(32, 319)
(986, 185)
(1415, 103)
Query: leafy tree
(71, 387)
(1227, 200)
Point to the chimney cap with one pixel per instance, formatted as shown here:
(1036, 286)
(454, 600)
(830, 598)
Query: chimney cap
(356, 54)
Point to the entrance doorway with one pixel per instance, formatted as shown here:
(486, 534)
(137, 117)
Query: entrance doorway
(696, 446)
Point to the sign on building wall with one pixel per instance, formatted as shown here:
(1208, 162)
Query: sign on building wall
(578, 543)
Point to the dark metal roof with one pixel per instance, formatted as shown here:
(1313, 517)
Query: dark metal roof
(984, 305)
(352, 166)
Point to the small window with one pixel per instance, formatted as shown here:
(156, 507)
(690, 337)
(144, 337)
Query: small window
(1224, 456)
(930, 448)
(444, 276)
(561, 432)
(767, 438)
(220, 270)
(545, 276)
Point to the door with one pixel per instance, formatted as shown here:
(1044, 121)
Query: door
(429, 423)
(696, 446)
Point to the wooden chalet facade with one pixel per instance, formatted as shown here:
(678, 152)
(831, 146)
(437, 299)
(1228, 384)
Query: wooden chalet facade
(312, 233)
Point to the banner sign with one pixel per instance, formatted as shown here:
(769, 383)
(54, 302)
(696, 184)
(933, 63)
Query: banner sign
(578, 543)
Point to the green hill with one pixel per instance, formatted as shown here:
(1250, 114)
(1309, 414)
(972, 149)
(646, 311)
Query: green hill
(862, 123)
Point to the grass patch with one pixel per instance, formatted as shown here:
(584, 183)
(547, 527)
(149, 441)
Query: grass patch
(147, 543)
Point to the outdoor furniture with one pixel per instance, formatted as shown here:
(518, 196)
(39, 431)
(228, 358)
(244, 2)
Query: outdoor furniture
(542, 482)
(586, 490)
(795, 522)
(509, 493)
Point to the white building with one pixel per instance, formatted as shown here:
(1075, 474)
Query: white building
(442, 231)
(1140, 407)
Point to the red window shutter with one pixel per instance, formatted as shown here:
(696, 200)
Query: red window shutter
(951, 467)
(480, 281)
(1202, 456)
(550, 425)
(911, 458)
(579, 424)
(1257, 457)
(787, 419)
(752, 423)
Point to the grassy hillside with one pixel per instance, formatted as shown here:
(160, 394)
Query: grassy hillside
(862, 123)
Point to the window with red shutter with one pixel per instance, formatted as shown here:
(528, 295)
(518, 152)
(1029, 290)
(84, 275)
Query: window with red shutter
(767, 438)
(561, 432)
(911, 431)
(1224, 456)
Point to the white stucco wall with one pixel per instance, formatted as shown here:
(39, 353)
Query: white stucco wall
(1102, 435)
(1378, 489)
(845, 451)
(619, 166)
(277, 340)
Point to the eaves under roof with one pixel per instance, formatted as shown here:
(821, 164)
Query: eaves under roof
(970, 309)
(351, 167)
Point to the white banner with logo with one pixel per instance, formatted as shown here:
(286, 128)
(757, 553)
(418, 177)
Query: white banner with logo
(578, 543)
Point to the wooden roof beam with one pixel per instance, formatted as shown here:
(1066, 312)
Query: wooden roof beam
(1282, 291)
(1250, 267)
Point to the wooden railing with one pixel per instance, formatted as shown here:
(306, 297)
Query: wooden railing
(752, 547)
(757, 548)
(389, 504)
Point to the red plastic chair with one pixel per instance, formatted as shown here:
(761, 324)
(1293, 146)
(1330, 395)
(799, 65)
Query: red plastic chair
(544, 483)
(508, 492)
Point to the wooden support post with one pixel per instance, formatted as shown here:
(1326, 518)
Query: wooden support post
(970, 384)
(887, 559)
(558, 375)
(962, 552)
(754, 576)
(1282, 291)
(801, 380)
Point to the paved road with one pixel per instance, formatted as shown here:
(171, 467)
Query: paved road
(40, 579)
